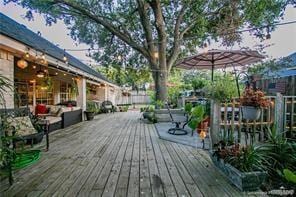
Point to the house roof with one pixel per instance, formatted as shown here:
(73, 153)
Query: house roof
(19, 32)
(285, 72)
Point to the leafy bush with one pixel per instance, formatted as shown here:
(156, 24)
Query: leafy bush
(223, 89)
(188, 108)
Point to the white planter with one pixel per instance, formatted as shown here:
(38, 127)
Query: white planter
(251, 113)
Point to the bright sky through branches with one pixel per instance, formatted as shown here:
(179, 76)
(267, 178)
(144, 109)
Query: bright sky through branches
(283, 38)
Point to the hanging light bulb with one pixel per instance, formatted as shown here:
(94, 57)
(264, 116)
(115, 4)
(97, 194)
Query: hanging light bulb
(27, 55)
(34, 66)
(65, 58)
(43, 56)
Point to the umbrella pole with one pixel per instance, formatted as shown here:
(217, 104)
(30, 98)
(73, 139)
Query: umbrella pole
(237, 85)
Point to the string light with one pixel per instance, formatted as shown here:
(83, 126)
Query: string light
(43, 56)
(65, 57)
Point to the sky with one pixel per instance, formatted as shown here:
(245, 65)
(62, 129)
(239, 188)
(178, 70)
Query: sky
(283, 39)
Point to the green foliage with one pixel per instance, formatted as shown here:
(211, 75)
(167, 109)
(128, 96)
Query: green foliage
(7, 153)
(270, 66)
(289, 175)
(159, 104)
(74, 88)
(196, 116)
(188, 108)
(91, 106)
(128, 76)
(198, 83)
(223, 88)
(147, 109)
(248, 159)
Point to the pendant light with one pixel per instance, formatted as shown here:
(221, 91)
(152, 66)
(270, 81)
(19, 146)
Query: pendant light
(40, 73)
(22, 64)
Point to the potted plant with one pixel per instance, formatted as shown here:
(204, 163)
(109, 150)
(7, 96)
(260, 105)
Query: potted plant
(252, 101)
(148, 112)
(243, 165)
(90, 110)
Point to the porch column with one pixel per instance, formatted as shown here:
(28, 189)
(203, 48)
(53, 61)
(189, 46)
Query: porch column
(81, 98)
(7, 70)
(106, 92)
(56, 92)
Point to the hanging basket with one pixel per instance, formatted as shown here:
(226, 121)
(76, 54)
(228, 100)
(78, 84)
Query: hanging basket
(251, 113)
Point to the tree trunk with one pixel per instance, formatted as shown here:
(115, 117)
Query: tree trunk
(160, 81)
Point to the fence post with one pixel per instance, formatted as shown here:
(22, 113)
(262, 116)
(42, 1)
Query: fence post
(215, 122)
(279, 112)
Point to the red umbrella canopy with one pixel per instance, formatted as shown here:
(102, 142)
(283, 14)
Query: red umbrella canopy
(215, 59)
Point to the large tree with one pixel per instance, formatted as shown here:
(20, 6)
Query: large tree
(157, 32)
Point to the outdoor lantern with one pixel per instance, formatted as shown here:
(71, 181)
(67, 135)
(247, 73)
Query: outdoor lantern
(40, 73)
(22, 64)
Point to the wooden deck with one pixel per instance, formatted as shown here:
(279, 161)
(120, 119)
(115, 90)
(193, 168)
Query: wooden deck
(117, 155)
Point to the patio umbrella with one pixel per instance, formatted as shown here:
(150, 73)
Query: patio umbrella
(216, 59)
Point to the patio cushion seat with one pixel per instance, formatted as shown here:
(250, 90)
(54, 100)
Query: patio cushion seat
(53, 119)
(22, 125)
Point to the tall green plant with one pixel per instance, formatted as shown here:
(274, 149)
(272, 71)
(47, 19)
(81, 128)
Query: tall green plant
(7, 153)
(196, 116)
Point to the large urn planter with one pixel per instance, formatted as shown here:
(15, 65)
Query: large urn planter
(244, 181)
(147, 115)
(251, 113)
(89, 115)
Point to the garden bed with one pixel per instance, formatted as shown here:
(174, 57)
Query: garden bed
(245, 181)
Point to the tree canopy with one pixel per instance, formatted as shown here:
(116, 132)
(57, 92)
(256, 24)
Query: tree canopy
(156, 32)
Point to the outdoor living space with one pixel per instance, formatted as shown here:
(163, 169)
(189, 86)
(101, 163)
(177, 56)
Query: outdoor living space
(118, 158)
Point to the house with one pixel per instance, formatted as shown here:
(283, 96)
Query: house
(282, 81)
(43, 73)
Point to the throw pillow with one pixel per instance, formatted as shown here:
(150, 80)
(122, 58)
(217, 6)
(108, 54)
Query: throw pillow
(23, 125)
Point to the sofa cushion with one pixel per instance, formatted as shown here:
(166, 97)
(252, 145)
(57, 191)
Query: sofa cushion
(53, 119)
(22, 125)
(54, 110)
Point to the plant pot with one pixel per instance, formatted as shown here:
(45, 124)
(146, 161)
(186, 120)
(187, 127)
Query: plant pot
(89, 115)
(147, 115)
(251, 113)
(245, 181)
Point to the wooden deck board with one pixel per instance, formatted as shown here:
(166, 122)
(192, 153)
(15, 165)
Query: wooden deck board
(118, 155)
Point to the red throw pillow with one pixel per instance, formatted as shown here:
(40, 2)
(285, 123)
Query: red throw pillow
(41, 109)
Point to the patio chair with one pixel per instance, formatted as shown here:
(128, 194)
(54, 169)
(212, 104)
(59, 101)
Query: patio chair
(177, 130)
(29, 129)
(107, 106)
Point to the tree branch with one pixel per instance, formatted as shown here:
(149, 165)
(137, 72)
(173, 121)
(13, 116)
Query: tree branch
(108, 25)
(162, 35)
(177, 38)
(145, 22)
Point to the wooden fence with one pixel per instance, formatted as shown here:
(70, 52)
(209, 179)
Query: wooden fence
(227, 122)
